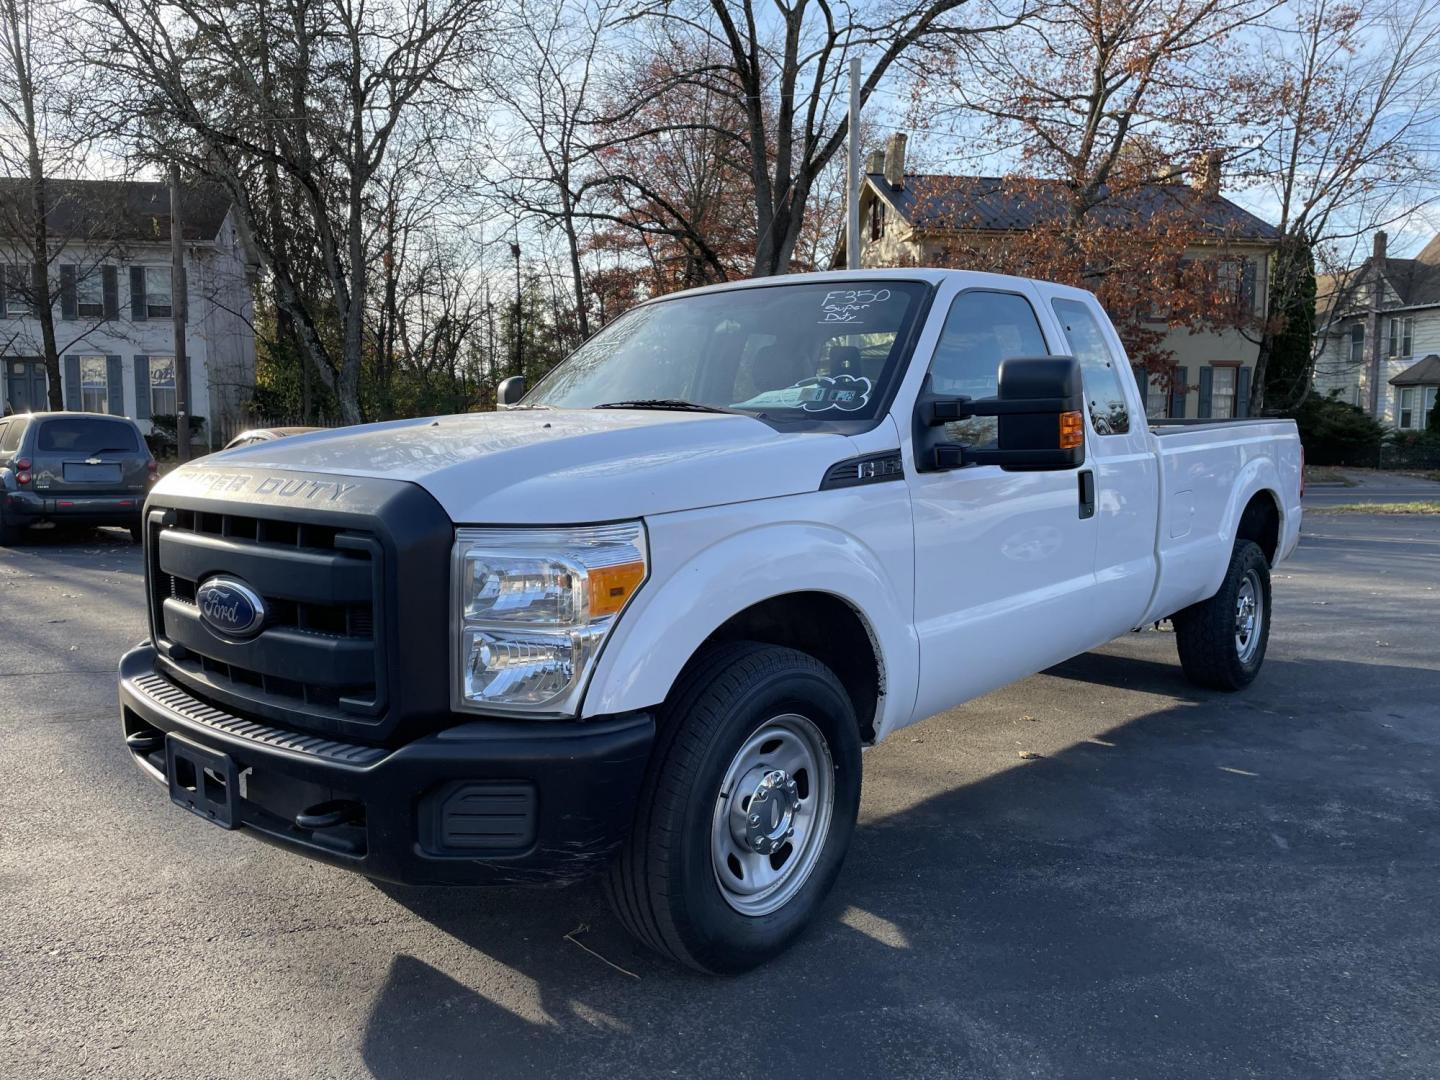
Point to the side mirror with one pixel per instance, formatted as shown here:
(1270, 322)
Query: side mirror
(510, 391)
(1040, 404)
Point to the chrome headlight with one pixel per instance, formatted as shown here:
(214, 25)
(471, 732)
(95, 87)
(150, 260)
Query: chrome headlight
(532, 609)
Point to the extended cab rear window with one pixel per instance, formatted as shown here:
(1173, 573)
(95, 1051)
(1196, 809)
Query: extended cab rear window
(84, 435)
(815, 352)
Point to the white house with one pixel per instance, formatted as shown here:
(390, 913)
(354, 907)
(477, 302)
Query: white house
(112, 297)
(1379, 338)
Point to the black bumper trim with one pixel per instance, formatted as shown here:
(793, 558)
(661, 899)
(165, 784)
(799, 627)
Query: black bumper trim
(585, 776)
(169, 696)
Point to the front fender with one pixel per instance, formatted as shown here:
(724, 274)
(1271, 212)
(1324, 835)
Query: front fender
(694, 589)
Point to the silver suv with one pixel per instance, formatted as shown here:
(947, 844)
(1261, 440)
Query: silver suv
(72, 468)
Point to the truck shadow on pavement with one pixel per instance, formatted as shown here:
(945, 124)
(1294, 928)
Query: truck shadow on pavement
(1225, 885)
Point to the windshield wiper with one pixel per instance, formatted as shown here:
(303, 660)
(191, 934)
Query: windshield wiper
(661, 403)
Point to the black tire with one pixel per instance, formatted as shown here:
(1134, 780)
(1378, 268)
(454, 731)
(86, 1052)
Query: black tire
(9, 534)
(1208, 633)
(663, 885)
(137, 533)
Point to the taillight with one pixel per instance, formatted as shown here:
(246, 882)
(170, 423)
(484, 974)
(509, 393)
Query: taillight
(22, 470)
(153, 467)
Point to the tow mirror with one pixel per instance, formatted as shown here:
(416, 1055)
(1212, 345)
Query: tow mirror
(510, 391)
(1040, 404)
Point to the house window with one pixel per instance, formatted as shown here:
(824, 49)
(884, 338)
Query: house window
(1357, 343)
(1237, 278)
(1407, 407)
(94, 393)
(18, 292)
(1222, 393)
(877, 219)
(157, 292)
(162, 386)
(1402, 336)
(90, 294)
(1427, 408)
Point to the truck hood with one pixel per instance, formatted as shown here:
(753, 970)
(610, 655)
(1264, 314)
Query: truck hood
(560, 466)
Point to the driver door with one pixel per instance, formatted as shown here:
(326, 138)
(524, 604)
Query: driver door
(1004, 561)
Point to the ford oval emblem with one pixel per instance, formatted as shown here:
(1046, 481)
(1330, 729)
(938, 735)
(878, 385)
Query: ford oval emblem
(229, 607)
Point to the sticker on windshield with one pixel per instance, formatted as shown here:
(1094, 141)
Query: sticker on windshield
(849, 306)
(847, 393)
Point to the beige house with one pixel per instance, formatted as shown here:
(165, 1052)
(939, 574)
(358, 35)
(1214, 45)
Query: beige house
(914, 219)
(1379, 335)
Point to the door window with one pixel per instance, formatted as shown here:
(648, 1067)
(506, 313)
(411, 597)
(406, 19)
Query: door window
(1109, 410)
(982, 329)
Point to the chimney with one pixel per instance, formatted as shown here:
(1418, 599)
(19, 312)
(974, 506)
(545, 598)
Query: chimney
(895, 160)
(1380, 241)
(876, 163)
(1205, 174)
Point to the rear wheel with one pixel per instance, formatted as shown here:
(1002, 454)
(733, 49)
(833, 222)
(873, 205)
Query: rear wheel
(746, 811)
(9, 532)
(137, 533)
(1222, 640)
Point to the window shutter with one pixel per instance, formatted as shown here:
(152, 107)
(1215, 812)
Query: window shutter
(1242, 393)
(142, 387)
(137, 293)
(1207, 378)
(110, 285)
(1178, 382)
(73, 401)
(68, 308)
(114, 386)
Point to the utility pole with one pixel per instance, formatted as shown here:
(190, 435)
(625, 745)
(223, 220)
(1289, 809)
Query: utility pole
(178, 293)
(852, 173)
(519, 339)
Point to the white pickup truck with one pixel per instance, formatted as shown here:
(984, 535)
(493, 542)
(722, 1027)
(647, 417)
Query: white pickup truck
(642, 620)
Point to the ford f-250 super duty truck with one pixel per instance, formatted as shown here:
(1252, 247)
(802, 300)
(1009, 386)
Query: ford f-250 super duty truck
(642, 620)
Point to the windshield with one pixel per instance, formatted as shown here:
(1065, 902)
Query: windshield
(85, 436)
(813, 351)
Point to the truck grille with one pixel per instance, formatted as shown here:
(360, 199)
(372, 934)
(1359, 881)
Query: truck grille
(316, 661)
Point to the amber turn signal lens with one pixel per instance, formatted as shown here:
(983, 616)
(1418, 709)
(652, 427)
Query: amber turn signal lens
(611, 586)
(1072, 430)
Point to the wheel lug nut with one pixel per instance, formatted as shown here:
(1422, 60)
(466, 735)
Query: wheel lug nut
(754, 819)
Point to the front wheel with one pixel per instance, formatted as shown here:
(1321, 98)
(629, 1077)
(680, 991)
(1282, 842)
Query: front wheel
(746, 810)
(1222, 640)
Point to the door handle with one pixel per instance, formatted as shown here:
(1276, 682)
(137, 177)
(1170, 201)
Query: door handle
(1087, 494)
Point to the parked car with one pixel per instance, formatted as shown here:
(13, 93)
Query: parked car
(71, 468)
(256, 435)
(642, 621)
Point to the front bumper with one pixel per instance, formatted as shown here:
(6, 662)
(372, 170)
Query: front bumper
(484, 802)
(31, 507)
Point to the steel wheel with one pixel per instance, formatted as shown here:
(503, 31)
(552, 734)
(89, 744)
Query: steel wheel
(1249, 614)
(772, 815)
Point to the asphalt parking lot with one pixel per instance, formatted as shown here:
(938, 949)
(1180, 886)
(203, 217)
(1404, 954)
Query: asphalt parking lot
(1180, 884)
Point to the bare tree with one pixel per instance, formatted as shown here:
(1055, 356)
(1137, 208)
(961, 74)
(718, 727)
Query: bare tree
(41, 139)
(786, 68)
(293, 105)
(1345, 139)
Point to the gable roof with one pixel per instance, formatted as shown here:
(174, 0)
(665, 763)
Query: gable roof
(1416, 283)
(135, 211)
(997, 203)
(1425, 373)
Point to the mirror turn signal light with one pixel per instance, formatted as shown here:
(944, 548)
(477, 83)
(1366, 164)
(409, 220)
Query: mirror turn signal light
(1072, 430)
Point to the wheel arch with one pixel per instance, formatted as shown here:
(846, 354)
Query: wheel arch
(816, 590)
